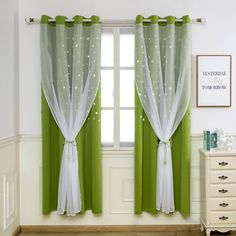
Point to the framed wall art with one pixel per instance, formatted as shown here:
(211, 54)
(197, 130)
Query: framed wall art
(214, 80)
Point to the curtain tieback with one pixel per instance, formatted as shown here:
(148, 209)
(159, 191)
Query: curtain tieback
(167, 143)
(72, 142)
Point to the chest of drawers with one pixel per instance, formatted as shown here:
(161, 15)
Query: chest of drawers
(217, 191)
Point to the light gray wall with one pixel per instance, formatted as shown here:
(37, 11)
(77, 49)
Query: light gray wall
(9, 118)
(9, 68)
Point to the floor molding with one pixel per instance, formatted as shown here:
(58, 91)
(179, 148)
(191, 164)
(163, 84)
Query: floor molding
(17, 231)
(106, 228)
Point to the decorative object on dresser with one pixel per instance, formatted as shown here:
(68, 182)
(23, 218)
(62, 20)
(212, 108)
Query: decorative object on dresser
(218, 191)
(224, 143)
(210, 140)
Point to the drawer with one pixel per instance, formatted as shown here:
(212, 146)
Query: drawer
(223, 190)
(223, 204)
(223, 163)
(223, 217)
(226, 176)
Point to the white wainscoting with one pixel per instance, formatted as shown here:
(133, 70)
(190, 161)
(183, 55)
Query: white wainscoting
(118, 190)
(9, 185)
(121, 189)
(9, 199)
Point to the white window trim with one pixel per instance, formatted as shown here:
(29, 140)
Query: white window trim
(116, 138)
(120, 152)
(116, 148)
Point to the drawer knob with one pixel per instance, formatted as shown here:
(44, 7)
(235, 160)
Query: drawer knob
(223, 218)
(223, 163)
(223, 204)
(223, 177)
(223, 191)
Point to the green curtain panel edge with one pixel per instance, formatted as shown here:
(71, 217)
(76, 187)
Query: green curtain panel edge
(77, 20)
(170, 20)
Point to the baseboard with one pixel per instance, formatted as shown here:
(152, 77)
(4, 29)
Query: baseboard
(106, 228)
(17, 231)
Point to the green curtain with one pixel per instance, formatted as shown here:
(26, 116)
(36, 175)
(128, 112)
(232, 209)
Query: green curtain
(89, 153)
(75, 58)
(146, 145)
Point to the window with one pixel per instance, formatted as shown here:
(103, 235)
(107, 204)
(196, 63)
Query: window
(117, 84)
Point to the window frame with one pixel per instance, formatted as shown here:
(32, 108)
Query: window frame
(116, 68)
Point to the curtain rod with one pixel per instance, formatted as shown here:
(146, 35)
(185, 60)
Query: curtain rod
(113, 23)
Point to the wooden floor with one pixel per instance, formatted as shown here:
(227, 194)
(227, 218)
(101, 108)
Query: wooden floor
(178, 233)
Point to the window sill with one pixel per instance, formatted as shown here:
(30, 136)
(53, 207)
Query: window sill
(108, 152)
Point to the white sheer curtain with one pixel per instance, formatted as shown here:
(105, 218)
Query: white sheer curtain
(163, 75)
(70, 58)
